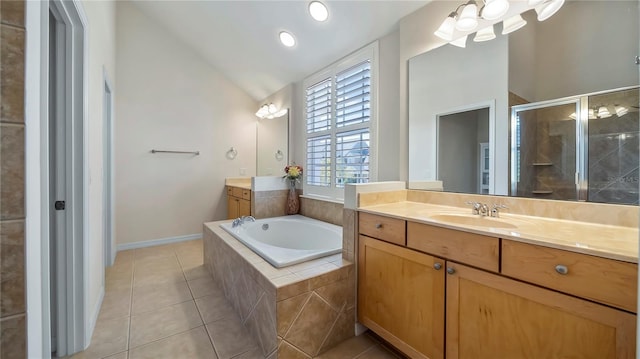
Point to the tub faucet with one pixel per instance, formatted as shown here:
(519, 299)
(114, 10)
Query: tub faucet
(240, 221)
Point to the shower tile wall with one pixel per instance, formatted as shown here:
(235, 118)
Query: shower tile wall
(12, 181)
(613, 151)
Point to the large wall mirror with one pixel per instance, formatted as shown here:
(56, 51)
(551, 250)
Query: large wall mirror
(562, 109)
(272, 146)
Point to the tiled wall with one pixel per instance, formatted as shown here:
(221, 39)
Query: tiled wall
(322, 210)
(294, 312)
(266, 204)
(12, 181)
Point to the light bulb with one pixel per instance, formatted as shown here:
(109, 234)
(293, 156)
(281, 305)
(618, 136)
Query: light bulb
(468, 19)
(287, 39)
(445, 31)
(485, 34)
(495, 9)
(547, 9)
(512, 24)
(318, 11)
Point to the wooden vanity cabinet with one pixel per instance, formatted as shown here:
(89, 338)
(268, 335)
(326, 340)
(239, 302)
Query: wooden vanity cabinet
(238, 202)
(401, 297)
(491, 316)
(503, 299)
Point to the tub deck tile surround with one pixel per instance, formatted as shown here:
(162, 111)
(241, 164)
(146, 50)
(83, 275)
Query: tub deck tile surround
(604, 230)
(297, 311)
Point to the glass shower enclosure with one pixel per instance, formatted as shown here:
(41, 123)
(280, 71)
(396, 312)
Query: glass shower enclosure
(581, 148)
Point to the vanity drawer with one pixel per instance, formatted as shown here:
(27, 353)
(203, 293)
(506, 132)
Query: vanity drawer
(246, 194)
(385, 228)
(237, 192)
(600, 279)
(467, 248)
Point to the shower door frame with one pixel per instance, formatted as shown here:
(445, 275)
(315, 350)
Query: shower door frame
(582, 137)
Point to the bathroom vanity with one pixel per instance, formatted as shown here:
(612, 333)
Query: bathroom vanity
(435, 281)
(238, 197)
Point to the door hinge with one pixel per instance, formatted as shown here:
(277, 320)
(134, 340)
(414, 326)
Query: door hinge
(59, 205)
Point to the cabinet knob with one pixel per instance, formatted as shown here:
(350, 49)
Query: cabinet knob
(437, 266)
(562, 269)
(451, 270)
(379, 225)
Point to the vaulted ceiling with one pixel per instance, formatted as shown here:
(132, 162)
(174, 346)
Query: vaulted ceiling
(240, 38)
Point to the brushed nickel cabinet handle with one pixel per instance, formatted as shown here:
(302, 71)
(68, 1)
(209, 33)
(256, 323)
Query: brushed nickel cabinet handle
(451, 270)
(379, 225)
(437, 266)
(562, 269)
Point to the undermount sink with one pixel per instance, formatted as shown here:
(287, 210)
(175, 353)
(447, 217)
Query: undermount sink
(472, 220)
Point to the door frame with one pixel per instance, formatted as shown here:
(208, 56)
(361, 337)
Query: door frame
(78, 329)
(108, 171)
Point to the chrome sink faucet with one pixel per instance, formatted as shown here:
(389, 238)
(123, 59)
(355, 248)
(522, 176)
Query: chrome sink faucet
(480, 209)
(495, 211)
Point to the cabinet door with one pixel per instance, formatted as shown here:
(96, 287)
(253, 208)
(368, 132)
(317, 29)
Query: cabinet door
(489, 316)
(233, 207)
(244, 208)
(401, 297)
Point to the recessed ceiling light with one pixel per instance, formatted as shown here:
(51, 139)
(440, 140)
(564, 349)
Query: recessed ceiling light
(318, 11)
(287, 39)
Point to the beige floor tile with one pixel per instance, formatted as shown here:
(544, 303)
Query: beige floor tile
(151, 297)
(153, 265)
(230, 337)
(203, 286)
(193, 344)
(162, 323)
(109, 337)
(123, 257)
(213, 307)
(349, 349)
(160, 277)
(195, 272)
(118, 281)
(116, 303)
(377, 352)
(123, 355)
(144, 254)
(252, 354)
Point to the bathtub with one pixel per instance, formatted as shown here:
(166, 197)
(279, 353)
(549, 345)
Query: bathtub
(284, 241)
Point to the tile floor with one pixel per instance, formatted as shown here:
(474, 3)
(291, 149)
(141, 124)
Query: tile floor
(160, 302)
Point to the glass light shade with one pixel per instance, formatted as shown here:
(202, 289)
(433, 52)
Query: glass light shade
(485, 34)
(621, 110)
(272, 108)
(603, 112)
(468, 19)
(547, 9)
(535, 2)
(287, 39)
(512, 24)
(445, 31)
(281, 113)
(318, 11)
(495, 9)
(592, 114)
(573, 116)
(461, 42)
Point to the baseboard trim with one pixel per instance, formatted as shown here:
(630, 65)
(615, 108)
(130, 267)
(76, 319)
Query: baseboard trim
(94, 319)
(158, 242)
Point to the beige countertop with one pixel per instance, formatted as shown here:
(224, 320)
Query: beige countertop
(614, 242)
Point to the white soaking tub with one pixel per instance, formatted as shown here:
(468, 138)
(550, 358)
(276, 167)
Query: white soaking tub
(283, 241)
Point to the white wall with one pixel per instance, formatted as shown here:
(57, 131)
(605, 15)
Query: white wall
(474, 82)
(389, 135)
(169, 98)
(101, 16)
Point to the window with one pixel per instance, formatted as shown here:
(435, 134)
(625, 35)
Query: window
(340, 125)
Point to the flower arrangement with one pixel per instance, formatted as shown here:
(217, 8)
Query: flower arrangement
(293, 173)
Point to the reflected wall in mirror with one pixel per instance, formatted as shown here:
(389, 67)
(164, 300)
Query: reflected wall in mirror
(587, 47)
(272, 146)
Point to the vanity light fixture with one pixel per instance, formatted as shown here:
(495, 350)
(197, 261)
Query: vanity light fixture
(468, 19)
(621, 110)
(461, 42)
(270, 111)
(485, 34)
(549, 7)
(287, 39)
(603, 112)
(512, 24)
(318, 11)
(494, 9)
